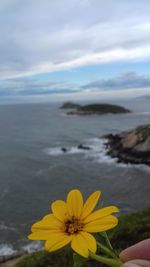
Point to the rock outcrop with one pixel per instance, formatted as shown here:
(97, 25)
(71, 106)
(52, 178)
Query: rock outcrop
(132, 146)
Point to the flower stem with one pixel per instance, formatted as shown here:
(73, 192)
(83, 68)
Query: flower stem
(107, 240)
(107, 250)
(108, 261)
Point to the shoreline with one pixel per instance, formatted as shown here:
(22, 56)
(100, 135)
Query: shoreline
(10, 260)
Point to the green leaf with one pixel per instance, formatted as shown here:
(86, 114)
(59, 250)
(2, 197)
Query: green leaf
(103, 238)
(78, 260)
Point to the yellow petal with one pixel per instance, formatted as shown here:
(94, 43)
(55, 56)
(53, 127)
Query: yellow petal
(101, 225)
(79, 245)
(57, 241)
(59, 209)
(49, 222)
(43, 235)
(75, 203)
(100, 213)
(90, 204)
(90, 241)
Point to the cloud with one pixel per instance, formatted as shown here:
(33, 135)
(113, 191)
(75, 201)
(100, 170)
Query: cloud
(124, 81)
(31, 87)
(46, 36)
(34, 87)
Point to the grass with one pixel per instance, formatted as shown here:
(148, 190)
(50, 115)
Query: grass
(143, 132)
(132, 228)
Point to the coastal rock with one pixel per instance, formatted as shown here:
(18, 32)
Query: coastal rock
(144, 146)
(63, 149)
(132, 146)
(129, 140)
(83, 147)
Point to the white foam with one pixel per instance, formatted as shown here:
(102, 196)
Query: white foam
(142, 167)
(33, 246)
(6, 249)
(76, 150)
(57, 151)
(98, 151)
(5, 227)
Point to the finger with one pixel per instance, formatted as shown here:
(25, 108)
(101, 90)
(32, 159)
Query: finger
(140, 250)
(137, 263)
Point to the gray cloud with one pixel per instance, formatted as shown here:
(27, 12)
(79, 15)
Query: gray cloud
(42, 36)
(26, 87)
(33, 87)
(124, 81)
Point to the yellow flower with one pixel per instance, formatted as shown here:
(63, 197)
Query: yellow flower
(72, 222)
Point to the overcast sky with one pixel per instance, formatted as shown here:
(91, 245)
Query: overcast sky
(73, 46)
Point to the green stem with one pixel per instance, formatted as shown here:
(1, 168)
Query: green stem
(107, 240)
(107, 250)
(108, 261)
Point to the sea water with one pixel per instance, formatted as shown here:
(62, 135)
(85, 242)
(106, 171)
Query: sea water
(34, 171)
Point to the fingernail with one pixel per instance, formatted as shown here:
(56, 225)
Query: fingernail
(129, 264)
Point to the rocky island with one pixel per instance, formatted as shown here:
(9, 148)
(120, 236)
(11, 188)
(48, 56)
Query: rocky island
(69, 105)
(100, 109)
(132, 146)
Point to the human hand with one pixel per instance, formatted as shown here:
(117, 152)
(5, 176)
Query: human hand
(137, 255)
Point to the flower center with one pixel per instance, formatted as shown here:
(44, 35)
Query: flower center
(73, 226)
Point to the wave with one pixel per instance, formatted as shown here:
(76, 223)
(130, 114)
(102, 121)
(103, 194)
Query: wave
(6, 249)
(57, 151)
(101, 156)
(94, 148)
(5, 227)
(33, 246)
(97, 151)
(142, 167)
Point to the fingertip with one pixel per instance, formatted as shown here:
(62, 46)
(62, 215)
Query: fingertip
(125, 255)
(137, 263)
(130, 264)
(140, 250)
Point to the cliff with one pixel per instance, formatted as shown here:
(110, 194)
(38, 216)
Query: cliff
(132, 146)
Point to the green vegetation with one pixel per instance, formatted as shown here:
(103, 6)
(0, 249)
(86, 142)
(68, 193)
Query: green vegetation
(143, 132)
(102, 108)
(45, 259)
(70, 105)
(132, 228)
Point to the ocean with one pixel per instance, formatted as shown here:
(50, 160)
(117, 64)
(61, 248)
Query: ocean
(34, 171)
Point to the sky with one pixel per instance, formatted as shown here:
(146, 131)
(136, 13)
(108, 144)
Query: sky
(74, 49)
